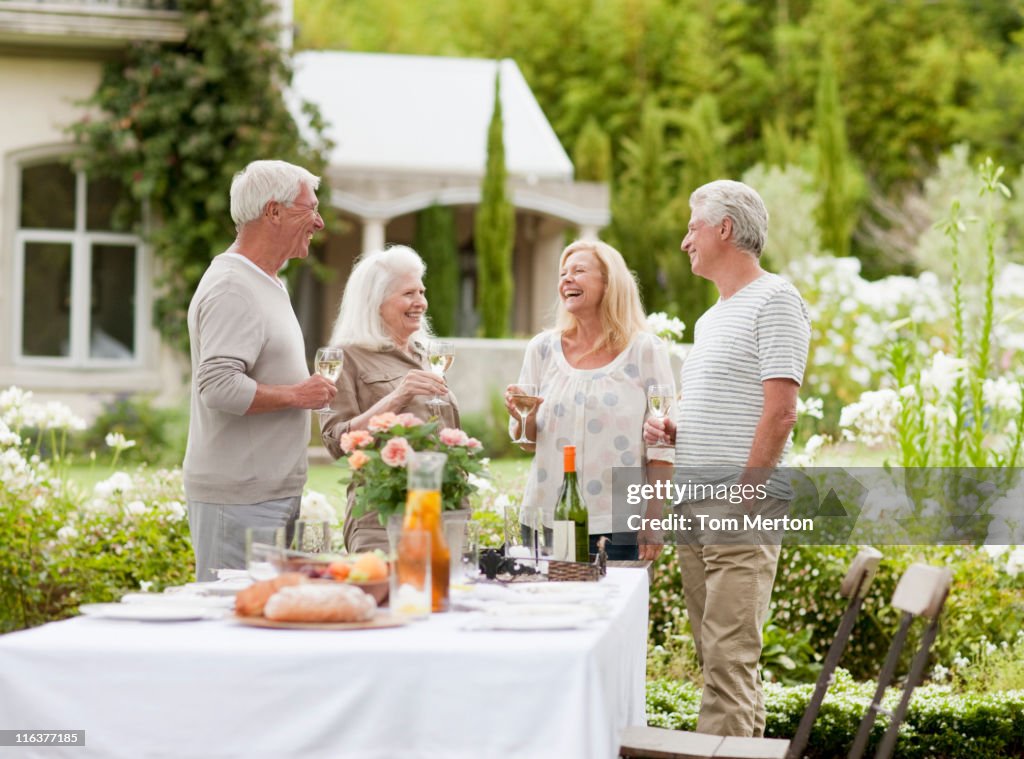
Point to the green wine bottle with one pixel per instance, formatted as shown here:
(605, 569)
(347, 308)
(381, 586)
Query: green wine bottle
(572, 523)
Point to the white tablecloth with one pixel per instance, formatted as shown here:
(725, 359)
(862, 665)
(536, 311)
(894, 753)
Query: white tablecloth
(216, 689)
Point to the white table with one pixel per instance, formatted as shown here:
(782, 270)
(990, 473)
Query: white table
(215, 689)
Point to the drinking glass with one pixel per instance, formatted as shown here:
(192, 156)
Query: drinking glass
(312, 536)
(524, 400)
(264, 551)
(394, 530)
(471, 552)
(411, 587)
(536, 539)
(423, 512)
(328, 364)
(659, 403)
(455, 537)
(440, 354)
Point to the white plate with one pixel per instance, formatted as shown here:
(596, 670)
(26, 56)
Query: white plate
(177, 600)
(227, 587)
(148, 612)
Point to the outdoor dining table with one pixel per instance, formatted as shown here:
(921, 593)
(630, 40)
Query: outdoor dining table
(431, 688)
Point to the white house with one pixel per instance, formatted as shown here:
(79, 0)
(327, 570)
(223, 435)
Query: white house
(76, 297)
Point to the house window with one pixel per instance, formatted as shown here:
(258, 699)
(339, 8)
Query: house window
(78, 278)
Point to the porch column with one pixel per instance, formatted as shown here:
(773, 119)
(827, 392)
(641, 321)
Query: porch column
(588, 232)
(373, 234)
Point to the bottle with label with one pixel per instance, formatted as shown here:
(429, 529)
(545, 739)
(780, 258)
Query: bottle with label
(572, 524)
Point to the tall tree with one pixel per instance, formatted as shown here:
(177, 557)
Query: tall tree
(174, 123)
(592, 154)
(435, 242)
(494, 230)
(642, 225)
(836, 174)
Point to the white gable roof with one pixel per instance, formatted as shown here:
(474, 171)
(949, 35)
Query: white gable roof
(412, 114)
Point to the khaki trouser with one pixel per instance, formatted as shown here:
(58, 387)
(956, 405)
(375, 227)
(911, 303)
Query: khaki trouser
(728, 587)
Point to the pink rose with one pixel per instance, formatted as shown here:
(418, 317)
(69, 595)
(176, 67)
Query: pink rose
(409, 420)
(396, 451)
(355, 439)
(473, 444)
(357, 460)
(453, 436)
(382, 422)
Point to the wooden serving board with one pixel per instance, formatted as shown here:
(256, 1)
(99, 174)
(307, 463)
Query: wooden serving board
(379, 621)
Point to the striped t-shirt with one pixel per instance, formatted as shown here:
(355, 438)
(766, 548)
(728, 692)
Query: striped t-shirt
(762, 332)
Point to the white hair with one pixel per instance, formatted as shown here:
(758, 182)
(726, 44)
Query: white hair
(741, 203)
(373, 279)
(263, 181)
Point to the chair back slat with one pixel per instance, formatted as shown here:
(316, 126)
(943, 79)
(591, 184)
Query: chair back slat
(861, 572)
(922, 590)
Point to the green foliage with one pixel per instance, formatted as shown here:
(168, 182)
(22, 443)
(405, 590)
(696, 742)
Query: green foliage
(986, 599)
(174, 123)
(916, 76)
(435, 242)
(792, 200)
(836, 174)
(494, 231)
(592, 154)
(939, 723)
(159, 433)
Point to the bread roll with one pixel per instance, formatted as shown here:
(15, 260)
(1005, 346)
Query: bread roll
(314, 602)
(250, 602)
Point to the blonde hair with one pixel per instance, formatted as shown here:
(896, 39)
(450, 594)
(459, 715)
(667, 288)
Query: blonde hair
(372, 281)
(621, 311)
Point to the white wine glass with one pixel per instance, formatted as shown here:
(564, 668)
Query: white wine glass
(659, 403)
(328, 364)
(524, 399)
(440, 354)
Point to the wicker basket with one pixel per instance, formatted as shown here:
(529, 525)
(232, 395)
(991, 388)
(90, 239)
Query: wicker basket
(565, 571)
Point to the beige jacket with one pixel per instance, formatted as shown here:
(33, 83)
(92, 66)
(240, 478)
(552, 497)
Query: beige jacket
(366, 377)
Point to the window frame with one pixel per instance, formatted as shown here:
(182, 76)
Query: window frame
(81, 241)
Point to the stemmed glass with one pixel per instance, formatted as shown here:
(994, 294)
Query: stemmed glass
(328, 364)
(659, 401)
(524, 399)
(440, 354)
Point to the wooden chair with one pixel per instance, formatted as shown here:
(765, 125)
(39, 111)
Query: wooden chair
(658, 743)
(921, 592)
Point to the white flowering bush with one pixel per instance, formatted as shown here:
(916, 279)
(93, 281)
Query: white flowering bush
(59, 546)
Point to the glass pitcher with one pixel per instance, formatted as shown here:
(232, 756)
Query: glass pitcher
(423, 512)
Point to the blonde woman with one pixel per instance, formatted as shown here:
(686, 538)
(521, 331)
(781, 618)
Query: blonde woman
(593, 370)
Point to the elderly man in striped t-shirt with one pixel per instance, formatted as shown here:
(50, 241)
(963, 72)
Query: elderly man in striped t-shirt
(735, 414)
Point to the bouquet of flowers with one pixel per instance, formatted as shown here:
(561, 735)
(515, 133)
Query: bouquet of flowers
(379, 454)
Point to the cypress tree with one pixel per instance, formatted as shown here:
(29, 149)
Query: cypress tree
(837, 177)
(494, 231)
(592, 153)
(435, 242)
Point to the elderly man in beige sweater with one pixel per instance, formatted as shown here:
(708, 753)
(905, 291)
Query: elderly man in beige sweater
(245, 465)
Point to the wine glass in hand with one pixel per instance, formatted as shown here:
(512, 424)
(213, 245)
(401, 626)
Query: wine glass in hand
(524, 399)
(328, 364)
(440, 354)
(659, 402)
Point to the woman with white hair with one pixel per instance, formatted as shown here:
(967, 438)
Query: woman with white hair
(593, 371)
(382, 327)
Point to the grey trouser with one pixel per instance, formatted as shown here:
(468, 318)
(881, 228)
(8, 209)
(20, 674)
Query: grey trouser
(218, 530)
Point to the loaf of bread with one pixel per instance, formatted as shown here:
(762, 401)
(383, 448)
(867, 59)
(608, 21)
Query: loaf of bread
(250, 602)
(314, 602)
